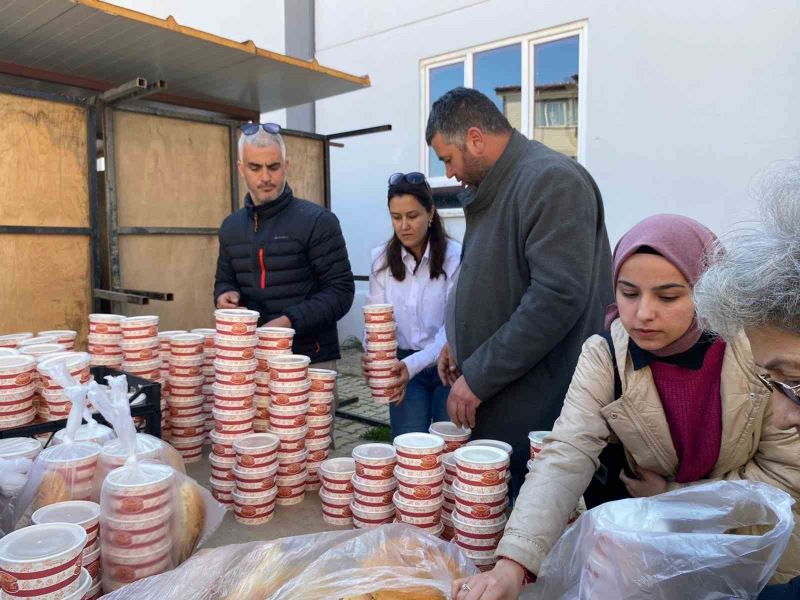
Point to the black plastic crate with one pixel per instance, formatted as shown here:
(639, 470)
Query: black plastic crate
(149, 409)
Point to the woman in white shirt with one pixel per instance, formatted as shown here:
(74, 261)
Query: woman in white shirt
(415, 271)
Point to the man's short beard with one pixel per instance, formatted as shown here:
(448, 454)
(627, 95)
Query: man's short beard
(475, 169)
(278, 194)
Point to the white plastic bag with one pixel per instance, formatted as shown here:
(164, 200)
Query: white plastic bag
(152, 515)
(13, 475)
(91, 431)
(62, 472)
(112, 402)
(321, 566)
(681, 545)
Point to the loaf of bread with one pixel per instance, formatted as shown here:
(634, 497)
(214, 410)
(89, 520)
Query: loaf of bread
(190, 519)
(409, 593)
(52, 489)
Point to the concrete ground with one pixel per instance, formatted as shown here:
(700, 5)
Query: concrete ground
(305, 517)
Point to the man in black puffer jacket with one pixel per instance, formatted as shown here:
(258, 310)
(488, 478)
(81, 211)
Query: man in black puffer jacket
(283, 256)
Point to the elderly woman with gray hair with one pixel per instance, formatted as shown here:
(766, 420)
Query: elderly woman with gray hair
(753, 285)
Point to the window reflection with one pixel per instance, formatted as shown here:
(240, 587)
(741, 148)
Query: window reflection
(442, 80)
(497, 73)
(555, 114)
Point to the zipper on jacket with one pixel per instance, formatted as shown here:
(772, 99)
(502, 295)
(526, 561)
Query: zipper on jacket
(263, 268)
(255, 227)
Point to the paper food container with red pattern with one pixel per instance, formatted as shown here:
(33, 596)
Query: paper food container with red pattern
(42, 562)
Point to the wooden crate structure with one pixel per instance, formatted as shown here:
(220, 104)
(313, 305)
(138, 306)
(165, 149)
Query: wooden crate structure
(46, 213)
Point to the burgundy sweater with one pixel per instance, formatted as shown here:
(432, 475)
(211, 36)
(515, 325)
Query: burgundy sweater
(693, 407)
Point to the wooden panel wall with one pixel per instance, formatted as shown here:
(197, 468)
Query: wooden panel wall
(48, 283)
(306, 169)
(43, 172)
(182, 264)
(171, 173)
(43, 182)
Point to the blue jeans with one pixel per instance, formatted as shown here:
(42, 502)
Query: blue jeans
(425, 402)
(784, 591)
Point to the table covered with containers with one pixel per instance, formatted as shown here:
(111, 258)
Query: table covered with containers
(92, 504)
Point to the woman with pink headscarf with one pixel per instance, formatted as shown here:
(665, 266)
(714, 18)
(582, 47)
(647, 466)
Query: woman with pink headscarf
(656, 396)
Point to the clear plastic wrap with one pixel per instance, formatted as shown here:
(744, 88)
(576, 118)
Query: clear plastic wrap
(113, 403)
(152, 516)
(390, 562)
(710, 541)
(62, 472)
(91, 431)
(13, 476)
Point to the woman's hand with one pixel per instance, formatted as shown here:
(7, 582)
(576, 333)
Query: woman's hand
(504, 582)
(650, 484)
(400, 370)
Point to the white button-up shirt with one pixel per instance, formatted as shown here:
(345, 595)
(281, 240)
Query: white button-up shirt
(419, 302)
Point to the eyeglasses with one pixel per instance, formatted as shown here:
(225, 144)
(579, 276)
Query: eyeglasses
(790, 391)
(252, 128)
(414, 178)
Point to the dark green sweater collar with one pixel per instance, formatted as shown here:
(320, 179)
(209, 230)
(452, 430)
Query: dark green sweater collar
(497, 176)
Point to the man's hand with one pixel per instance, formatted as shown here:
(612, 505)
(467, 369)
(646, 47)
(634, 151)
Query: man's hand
(228, 300)
(462, 404)
(504, 582)
(448, 370)
(400, 370)
(280, 322)
(650, 484)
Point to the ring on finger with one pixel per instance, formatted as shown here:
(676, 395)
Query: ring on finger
(465, 587)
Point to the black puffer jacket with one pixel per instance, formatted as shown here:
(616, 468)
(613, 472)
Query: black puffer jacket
(288, 257)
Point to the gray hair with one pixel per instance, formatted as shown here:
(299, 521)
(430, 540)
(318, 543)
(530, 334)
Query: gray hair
(458, 110)
(262, 139)
(753, 278)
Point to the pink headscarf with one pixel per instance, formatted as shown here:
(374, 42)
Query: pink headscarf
(683, 242)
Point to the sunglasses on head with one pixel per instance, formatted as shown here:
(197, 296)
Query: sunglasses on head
(414, 178)
(790, 391)
(252, 128)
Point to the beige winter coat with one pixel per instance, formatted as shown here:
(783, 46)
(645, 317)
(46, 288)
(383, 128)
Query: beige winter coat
(752, 448)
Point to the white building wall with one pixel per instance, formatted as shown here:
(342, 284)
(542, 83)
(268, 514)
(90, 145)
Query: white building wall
(685, 101)
(261, 21)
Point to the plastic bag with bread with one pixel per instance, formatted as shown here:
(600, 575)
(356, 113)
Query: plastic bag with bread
(195, 513)
(61, 472)
(393, 562)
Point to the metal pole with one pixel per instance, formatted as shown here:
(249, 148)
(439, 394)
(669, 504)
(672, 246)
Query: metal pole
(326, 165)
(124, 91)
(111, 200)
(94, 202)
(234, 158)
(355, 132)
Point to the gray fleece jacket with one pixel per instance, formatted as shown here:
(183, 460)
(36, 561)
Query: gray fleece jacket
(535, 280)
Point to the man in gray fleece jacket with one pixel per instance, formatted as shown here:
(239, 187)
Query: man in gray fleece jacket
(535, 273)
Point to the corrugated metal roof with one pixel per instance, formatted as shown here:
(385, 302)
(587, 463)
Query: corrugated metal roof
(94, 40)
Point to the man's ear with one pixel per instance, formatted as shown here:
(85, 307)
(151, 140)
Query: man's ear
(240, 166)
(474, 141)
(286, 165)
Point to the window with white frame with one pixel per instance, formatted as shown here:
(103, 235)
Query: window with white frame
(536, 80)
